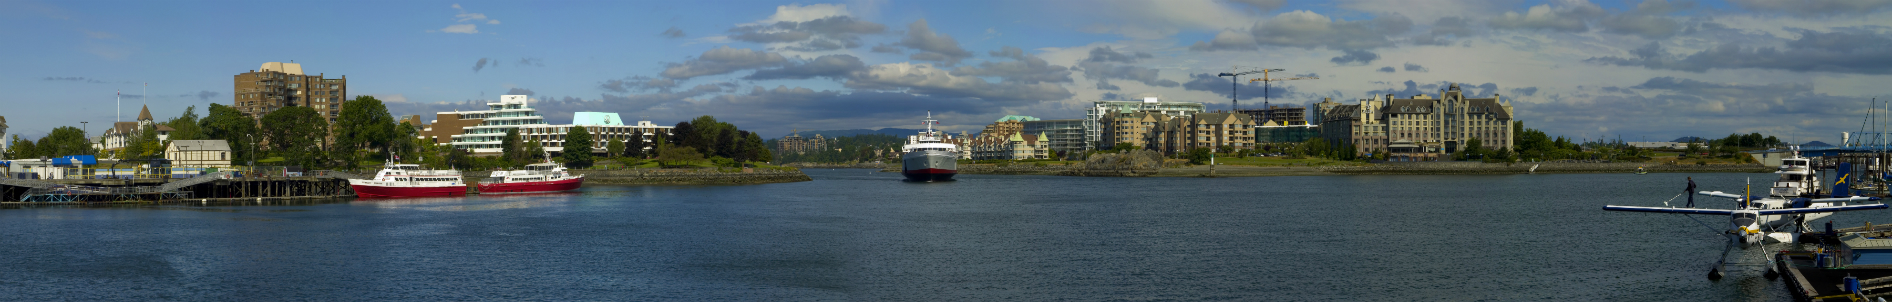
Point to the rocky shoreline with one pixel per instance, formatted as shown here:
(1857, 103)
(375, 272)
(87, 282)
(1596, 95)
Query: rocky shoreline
(1417, 168)
(705, 176)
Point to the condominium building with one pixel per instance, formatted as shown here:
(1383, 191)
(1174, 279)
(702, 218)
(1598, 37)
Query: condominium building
(1419, 128)
(1174, 135)
(276, 85)
(483, 131)
(1279, 114)
(1009, 146)
(1095, 129)
(1066, 136)
(794, 142)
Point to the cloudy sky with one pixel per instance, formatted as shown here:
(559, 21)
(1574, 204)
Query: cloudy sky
(1804, 69)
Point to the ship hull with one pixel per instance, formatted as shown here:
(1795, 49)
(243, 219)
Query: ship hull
(374, 191)
(533, 186)
(929, 166)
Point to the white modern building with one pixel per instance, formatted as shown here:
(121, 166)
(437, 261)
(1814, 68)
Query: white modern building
(481, 132)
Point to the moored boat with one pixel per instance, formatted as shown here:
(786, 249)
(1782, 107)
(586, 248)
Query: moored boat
(408, 180)
(535, 178)
(927, 157)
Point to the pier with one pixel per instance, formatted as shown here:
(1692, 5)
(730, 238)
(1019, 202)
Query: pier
(220, 186)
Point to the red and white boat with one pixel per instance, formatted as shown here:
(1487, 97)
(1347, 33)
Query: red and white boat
(535, 178)
(928, 157)
(404, 180)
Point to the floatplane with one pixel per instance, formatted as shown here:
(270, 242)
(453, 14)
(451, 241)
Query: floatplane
(1756, 220)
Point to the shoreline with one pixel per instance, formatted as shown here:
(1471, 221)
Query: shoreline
(1418, 168)
(746, 176)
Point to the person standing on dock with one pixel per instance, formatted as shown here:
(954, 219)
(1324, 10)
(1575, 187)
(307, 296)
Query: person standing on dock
(1690, 191)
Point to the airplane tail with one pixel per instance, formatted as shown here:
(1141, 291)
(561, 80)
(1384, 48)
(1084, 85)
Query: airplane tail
(1842, 186)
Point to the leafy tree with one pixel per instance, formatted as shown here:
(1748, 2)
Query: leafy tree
(683, 132)
(678, 156)
(758, 150)
(64, 141)
(185, 125)
(364, 124)
(509, 147)
(296, 134)
(234, 127)
(577, 148)
(1124, 147)
(634, 147)
(405, 140)
(21, 149)
(614, 149)
(144, 145)
(1198, 156)
(535, 151)
(1474, 149)
(726, 143)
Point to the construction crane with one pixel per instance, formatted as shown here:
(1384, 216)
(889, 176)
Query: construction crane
(1265, 80)
(1235, 83)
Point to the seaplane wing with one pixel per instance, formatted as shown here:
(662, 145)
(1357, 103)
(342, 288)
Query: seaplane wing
(1694, 211)
(1719, 194)
(1823, 209)
(1854, 198)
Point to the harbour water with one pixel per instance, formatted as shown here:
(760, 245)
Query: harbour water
(864, 235)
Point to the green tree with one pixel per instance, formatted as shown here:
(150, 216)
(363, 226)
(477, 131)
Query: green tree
(64, 141)
(21, 149)
(614, 149)
(1474, 149)
(678, 156)
(534, 151)
(682, 134)
(509, 147)
(296, 134)
(234, 127)
(1198, 156)
(1124, 147)
(405, 141)
(144, 145)
(185, 125)
(577, 148)
(364, 124)
(759, 151)
(726, 142)
(634, 147)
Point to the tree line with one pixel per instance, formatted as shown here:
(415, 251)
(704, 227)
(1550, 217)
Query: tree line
(845, 149)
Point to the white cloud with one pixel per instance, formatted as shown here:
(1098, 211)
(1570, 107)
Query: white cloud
(799, 13)
(460, 29)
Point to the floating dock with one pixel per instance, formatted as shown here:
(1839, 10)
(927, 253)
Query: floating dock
(1826, 274)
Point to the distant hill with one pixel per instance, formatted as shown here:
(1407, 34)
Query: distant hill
(1685, 139)
(896, 132)
(1816, 144)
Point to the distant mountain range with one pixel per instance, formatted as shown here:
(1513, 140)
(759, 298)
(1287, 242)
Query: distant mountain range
(1816, 144)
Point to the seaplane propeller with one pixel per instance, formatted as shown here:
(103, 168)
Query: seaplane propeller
(1748, 224)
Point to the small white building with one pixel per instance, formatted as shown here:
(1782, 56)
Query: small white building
(198, 154)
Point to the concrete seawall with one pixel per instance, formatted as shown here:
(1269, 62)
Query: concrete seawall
(690, 177)
(1543, 167)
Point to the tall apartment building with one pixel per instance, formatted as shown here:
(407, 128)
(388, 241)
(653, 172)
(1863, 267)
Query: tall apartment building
(1095, 129)
(794, 142)
(1065, 135)
(1421, 127)
(276, 85)
(1279, 114)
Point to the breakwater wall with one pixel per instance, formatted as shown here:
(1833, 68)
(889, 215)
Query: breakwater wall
(706, 176)
(1542, 167)
(842, 165)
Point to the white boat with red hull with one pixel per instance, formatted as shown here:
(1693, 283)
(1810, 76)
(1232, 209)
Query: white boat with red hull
(535, 178)
(928, 157)
(408, 180)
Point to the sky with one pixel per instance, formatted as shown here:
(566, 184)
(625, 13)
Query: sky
(1654, 70)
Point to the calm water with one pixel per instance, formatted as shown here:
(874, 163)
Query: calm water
(859, 235)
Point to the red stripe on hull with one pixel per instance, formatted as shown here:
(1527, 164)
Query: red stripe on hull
(379, 191)
(929, 174)
(533, 187)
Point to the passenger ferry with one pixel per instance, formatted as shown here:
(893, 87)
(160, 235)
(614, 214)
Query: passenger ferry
(535, 178)
(408, 180)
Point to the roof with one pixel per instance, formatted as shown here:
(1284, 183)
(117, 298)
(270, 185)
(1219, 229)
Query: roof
(145, 114)
(162, 127)
(1021, 118)
(200, 145)
(596, 119)
(123, 127)
(289, 68)
(1861, 241)
(1488, 105)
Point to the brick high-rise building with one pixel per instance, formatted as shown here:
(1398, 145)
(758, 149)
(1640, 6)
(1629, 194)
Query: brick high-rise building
(277, 85)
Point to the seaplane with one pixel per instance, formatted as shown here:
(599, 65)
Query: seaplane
(1756, 221)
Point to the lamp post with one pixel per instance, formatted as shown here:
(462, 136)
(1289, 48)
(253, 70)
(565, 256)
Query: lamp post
(252, 150)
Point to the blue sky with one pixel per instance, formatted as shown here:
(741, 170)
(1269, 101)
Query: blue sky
(1655, 69)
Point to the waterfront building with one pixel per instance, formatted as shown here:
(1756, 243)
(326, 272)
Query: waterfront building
(1176, 135)
(276, 85)
(1066, 135)
(1011, 146)
(121, 133)
(198, 153)
(1269, 133)
(1095, 129)
(4, 140)
(1421, 127)
(794, 142)
(482, 131)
